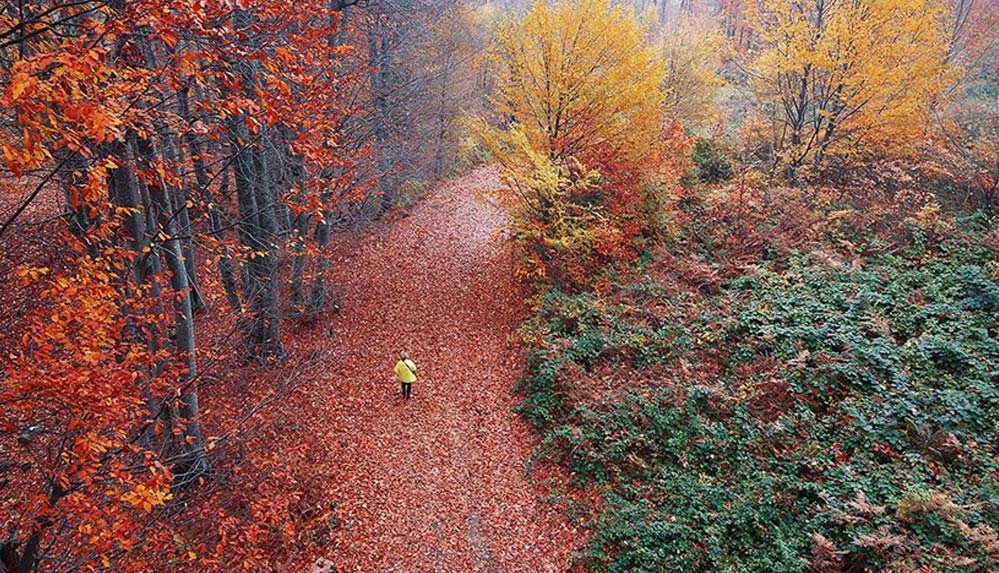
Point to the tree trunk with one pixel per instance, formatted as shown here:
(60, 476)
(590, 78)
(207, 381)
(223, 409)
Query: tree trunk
(318, 295)
(215, 214)
(225, 258)
(379, 59)
(77, 211)
(299, 259)
(256, 233)
(191, 462)
(255, 196)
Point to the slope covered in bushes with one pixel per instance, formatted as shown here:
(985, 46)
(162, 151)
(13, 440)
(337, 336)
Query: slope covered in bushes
(789, 386)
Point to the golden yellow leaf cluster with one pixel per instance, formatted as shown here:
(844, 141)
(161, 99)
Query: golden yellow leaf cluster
(694, 50)
(840, 77)
(575, 77)
(580, 92)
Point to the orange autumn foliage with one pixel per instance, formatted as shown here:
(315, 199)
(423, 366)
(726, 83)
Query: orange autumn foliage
(582, 153)
(129, 110)
(76, 394)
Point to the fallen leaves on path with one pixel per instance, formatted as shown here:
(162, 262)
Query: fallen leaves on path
(341, 467)
(436, 483)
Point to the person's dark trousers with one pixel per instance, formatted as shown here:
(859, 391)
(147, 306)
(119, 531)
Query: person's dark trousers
(407, 390)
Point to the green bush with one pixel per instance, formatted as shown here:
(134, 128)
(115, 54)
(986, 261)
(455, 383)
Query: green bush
(408, 194)
(853, 422)
(710, 164)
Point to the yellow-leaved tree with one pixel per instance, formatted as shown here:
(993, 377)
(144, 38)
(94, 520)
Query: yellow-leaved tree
(575, 82)
(846, 77)
(694, 49)
(579, 134)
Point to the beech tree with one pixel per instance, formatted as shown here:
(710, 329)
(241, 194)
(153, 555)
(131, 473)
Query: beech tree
(693, 52)
(845, 78)
(577, 82)
(417, 55)
(968, 118)
(147, 115)
(583, 139)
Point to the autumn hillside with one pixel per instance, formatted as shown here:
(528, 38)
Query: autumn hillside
(683, 285)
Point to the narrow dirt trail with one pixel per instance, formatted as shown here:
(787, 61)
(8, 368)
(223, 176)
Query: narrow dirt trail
(436, 483)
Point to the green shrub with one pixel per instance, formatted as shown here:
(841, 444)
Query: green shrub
(409, 193)
(854, 414)
(710, 164)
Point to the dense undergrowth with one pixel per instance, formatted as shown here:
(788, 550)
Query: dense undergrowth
(794, 383)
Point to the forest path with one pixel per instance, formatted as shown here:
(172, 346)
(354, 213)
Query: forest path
(436, 483)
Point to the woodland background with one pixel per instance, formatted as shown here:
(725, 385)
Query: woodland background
(757, 237)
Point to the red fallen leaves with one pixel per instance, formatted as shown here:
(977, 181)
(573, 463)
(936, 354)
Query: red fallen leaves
(435, 483)
(342, 468)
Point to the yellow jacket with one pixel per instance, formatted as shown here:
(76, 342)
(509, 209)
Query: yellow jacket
(405, 370)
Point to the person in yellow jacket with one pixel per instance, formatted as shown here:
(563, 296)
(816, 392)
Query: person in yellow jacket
(405, 369)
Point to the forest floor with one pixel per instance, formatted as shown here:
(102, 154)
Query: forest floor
(436, 483)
